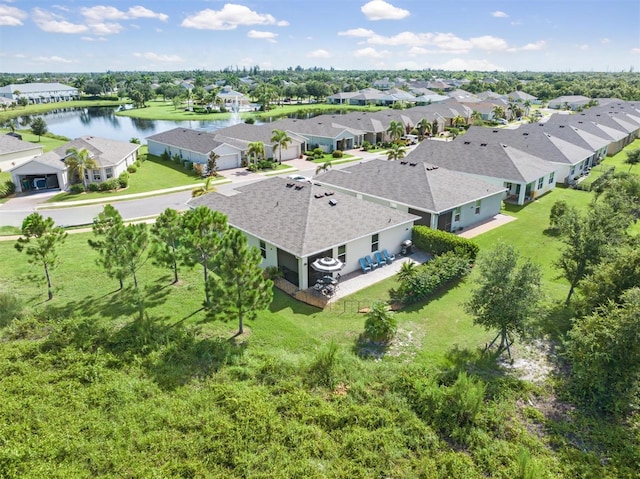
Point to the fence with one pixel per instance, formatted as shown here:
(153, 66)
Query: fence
(320, 301)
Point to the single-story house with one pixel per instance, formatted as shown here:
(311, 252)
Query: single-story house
(524, 175)
(294, 223)
(194, 146)
(49, 170)
(322, 132)
(569, 102)
(445, 200)
(242, 134)
(14, 152)
(571, 160)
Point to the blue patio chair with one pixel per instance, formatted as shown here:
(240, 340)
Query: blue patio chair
(364, 266)
(373, 264)
(387, 256)
(381, 261)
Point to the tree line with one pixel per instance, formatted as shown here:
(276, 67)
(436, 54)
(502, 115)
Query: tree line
(233, 281)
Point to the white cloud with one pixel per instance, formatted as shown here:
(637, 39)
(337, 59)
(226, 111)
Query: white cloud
(584, 47)
(319, 54)
(229, 18)
(369, 52)
(457, 64)
(100, 13)
(53, 23)
(358, 32)
(635, 51)
(106, 28)
(11, 16)
(605, 41)
(269, 36)
(381, 10)
(155, 57)
(539, 45)
(414, 51)
(94, 39)
(499, 14)
(487, 42)
(52, 59)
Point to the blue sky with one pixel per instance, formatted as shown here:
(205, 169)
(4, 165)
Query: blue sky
(542, 35)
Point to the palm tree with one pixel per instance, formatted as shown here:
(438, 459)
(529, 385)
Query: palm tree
(424, 128)
(498, 111)
(212, 163)
(78, 161)
(323, 167)
(280, 140)
(527, 107)
(256, 150)
(395, 130)
(396, 152)
(204, 189)
(407, 270)
(458, 121)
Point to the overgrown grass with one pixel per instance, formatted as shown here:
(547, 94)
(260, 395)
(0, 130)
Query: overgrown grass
(154, 174)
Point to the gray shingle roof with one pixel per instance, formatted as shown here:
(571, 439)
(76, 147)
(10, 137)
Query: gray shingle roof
(484, 159)
(298, 222)
(9, 144)
(422, 186)
(571, 134)
(105, 152)
(188, 139)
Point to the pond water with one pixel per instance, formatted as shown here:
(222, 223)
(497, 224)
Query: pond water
(103, 122)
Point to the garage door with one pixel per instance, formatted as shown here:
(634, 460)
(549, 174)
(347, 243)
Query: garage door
(228, 161)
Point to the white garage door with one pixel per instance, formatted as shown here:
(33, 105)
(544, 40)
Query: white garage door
(228, 161)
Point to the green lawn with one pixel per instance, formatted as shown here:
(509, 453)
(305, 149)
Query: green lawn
(345, 158)
(617, 161)
(154, 174)
(48, 142)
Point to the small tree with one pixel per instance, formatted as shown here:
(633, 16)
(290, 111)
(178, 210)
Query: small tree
(558, 210)
(256, 151)
(106, 227)
(633, 158)
(506, 295)
(323, 167)
(212, 163)
(39, 126)
(239, 284)
(40, 240)
(203, 230)
(396, 152)
(166, 232)
(204, 189)
(395, 130)
(280, 140)
(78, 161)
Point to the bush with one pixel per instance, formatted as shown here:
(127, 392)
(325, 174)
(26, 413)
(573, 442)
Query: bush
(437, 242)
(10, 308)
(426, 279)
(94, 187)
(109, 185)
(177, 159)
(138, 163)
(337, 154)
(7, 188)
(123, 179)
(165, 156)
(132, 168)
(77, 189)
(380, 325)
(198, 168)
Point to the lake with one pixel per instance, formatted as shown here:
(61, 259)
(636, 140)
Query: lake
(103, 122)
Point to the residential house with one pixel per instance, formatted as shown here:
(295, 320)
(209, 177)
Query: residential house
(323, 132)
(520, 96)
(195, 146)
(14, 152)
(524, 175)
(444, 200)
(39, 92)
(615, 136)
(293, 224)
(569, 102)
(49, 171)
(571, 160)
(243, 134)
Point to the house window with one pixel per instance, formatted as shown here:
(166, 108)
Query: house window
(342, 253)
(374, 243)
(456, 214)
(263, 249)
(552, 177)
(96, 175)
(572, 171)
(541, 183)
(477, 207)
(109, 172)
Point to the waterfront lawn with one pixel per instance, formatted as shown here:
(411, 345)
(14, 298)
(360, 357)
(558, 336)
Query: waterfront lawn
(48, 142)
(153, 174)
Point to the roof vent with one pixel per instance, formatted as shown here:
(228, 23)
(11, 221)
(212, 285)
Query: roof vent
(299, 187)
(413, 164)
(289, 185)
(483, 144)
(404, 162)
(328, 193)
(333, 202)
(318, 195)
(495, 131)
(467, 142)
(525, 134)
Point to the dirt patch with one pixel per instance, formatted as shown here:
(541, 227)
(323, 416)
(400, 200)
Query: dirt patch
(405, 344)
(529, 362)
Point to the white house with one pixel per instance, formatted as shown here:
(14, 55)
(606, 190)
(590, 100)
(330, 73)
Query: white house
(39, 92)
(49, 171)
(294, 223)
(15, 152)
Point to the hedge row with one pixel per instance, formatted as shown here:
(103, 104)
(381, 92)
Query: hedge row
(437, 242)
(426, 279)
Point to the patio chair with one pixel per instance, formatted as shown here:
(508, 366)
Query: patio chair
(373, 264)
(387, 256)
(379, 258)
(364, 266)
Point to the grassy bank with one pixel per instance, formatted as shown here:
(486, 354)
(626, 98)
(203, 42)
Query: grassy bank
(41, 108)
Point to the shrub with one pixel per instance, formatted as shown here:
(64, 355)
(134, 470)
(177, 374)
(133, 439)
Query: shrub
(138, 163)
(198, 168)
(7, 188)
(10, 308)
(381, 325)
(250, 121)
(317, 153)
(94, 187)
(109, 185)
(177, 159)
(337, 154)
(123, 179)
(77, 189)
(366, 146)
(437, 242)
(132, 168)
(165, 156)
